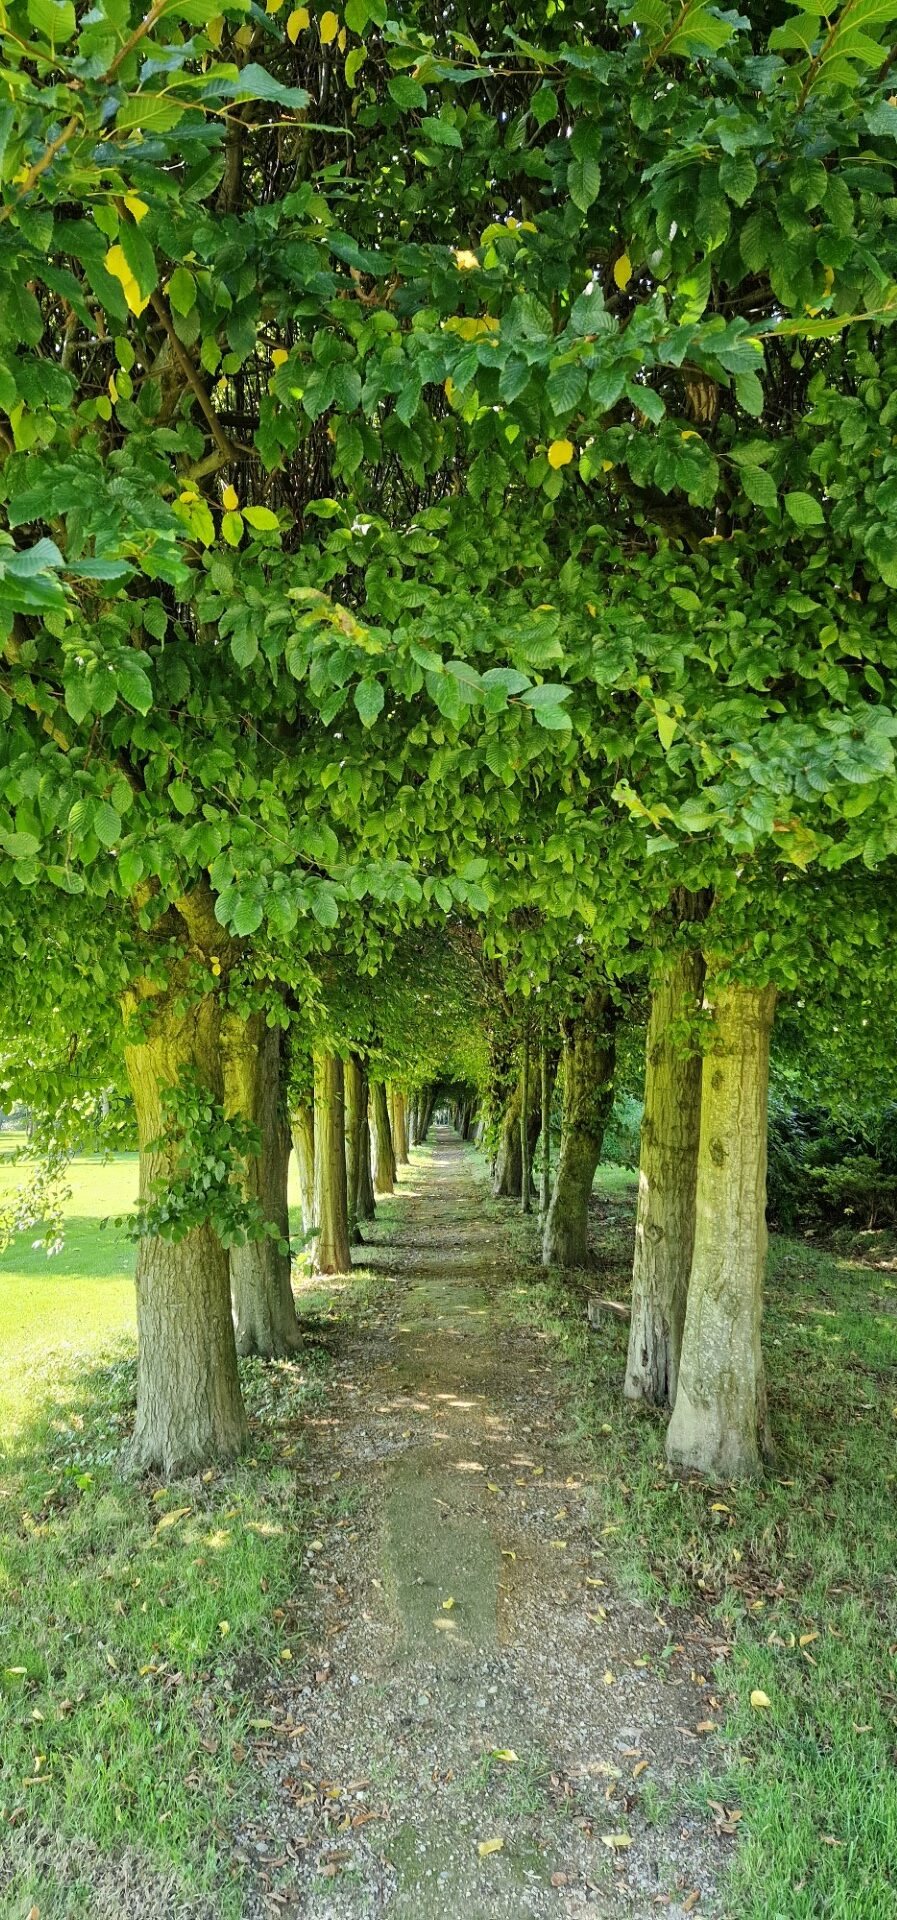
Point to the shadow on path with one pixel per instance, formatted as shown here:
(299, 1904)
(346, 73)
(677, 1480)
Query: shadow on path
(484, 1725)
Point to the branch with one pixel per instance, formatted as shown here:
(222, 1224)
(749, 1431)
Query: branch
(40, 166)
(227, 451)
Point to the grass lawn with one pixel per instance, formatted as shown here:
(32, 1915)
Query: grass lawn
(139, 1623)
(799, 1572)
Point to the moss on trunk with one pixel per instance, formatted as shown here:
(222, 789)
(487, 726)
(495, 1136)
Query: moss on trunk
(332, 1253)
(719, 1423)
(668, 1166)
(589, 1062)
(264, 1310)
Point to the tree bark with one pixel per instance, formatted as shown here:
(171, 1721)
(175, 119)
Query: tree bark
(719, 1423)
(384, 1157)
(589, 1061)
(668, 1168)
(189, 1406)
(526, 1200)
(353, 1077)
(399, 1126)
(507, 1173)
(302, 1127)
(265, 1320)
(365, 1203)
(332, 1253)
(546, 1088)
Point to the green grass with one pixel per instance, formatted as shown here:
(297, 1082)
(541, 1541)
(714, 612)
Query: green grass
(808, 1552)
(139, 1623)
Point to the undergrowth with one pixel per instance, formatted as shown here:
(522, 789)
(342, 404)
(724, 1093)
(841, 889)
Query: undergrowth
(797, 1573)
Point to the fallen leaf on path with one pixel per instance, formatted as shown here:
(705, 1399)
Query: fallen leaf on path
(719, 1506)
(608, 1678)
(759, 1698)
(503, 1753)
(691, 1900)
(597, 1616)
(706, 1726)
(807, 1638)
(639, 1767)
(485, 1847)
(616, 1840)
(560, 1880)
(449, 1603)
(171, 1519)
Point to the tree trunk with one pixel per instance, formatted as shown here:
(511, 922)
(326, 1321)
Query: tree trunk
(589, 1060)
(507, 1173)
(719, 1424)
(365, 1202)
(399, 1125)
(353, 1076)
(264, 1310)
(546, 1078)
(668, 1168)
(302, 1127)
(332, 1253)
(384, 1157)
(189, 1407)
(526, 1202)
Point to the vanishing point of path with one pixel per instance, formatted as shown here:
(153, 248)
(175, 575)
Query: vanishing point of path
(482, 1725)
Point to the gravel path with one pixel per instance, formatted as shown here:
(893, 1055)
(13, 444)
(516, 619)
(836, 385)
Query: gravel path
(483, 1724)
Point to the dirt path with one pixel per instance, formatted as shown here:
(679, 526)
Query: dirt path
(473, 1677)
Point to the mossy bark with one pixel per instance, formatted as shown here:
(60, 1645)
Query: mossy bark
(719, 1422)
(589, 1063)
(189, 1407)
(381, 1135)
(265, 1320)
(668, 1167)
(366, 1203)
(332, 1253)
(302, 1128)
(507, 1172)
(355, 1101)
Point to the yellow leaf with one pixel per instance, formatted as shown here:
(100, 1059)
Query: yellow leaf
(328, 28)
(807, 1638)
(448, 1604)
(561, 1545)
(503, 1753)
(616, 1840)
(136, 206)
(113, 390)
(623, 271)
(485, 1847)
(224, 1628)
(273, 6)
(279, 356)
(116, 264)
(599, 1615)
(639, 1767)
(491, 1487)
(297, 21)
(608, 1677)
(560, 453)
(243, 38)
(465, 259)
(341, 40)
(230, 499)
(286, 1653)
(717, 1506)
(215, 29)
(171, 1519)
(759, 1699)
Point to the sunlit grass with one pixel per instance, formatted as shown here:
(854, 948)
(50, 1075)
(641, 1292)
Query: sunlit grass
(798, 1572)
(139, 1624)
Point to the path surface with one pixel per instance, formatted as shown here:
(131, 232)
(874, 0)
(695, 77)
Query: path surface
(472, 1675)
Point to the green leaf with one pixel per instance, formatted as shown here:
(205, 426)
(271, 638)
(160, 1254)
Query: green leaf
(20, 846)
(54, 20)
(442, 131)
(182, 290)
(261, 518)
(759, 486)
(369, 700)
(180, 794)
(255, 83)
(106, 823)
(803, 509)
(544, 105)
(406, 93)
(244, 647)
(584, 182)
(749, 393)
(134, 684)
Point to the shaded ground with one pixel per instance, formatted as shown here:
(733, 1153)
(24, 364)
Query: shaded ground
(481, 1722)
